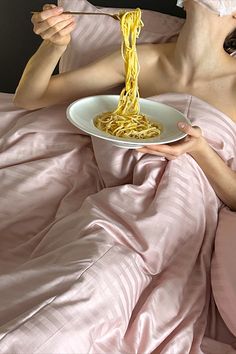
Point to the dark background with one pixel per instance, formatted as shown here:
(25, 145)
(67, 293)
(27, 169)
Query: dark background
(18, 42)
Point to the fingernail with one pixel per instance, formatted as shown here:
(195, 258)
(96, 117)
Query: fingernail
(60, 9)
(182, 124)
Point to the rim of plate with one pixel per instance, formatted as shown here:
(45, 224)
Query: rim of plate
(103, 135)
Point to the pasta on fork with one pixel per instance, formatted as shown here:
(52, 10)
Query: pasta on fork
(127, 121)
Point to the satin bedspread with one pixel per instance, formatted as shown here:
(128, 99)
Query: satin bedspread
(108, 250)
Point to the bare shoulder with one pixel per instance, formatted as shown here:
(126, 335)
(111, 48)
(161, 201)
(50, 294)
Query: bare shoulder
(154, 49)
(150, 53)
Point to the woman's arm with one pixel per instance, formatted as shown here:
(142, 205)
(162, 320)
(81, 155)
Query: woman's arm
(36, 76)
(54, 28)
(221, 177)
(39, 88)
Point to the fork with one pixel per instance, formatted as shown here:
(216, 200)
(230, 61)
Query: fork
(115, 16)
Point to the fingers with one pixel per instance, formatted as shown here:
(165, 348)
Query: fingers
(190, 130)
(171, 150)
(192, 142)
(48, 6)
(57, 34)
(51, 22)
(152, 151)
(53, 25)
(39, 18)
(47, 13)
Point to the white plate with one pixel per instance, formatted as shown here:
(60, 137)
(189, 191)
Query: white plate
(82, 112)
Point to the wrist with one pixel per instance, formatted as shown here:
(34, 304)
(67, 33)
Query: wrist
(200, 149)
(60, 49)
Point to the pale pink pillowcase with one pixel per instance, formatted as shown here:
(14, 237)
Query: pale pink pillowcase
(96, 36)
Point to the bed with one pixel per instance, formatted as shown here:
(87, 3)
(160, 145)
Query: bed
(95, 256)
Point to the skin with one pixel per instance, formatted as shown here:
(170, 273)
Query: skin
(186, 66)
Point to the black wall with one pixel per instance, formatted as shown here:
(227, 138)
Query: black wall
(18, 42)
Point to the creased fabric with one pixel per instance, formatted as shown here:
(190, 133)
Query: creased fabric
(221, 7)
(107, 250)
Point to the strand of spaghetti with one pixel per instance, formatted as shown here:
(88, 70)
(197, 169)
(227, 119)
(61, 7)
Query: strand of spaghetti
(126, 120)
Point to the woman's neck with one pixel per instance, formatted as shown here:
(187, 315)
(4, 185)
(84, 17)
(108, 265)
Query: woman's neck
(199, 52)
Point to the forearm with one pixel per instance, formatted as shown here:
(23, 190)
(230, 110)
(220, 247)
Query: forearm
(221, 177)
(37, 74)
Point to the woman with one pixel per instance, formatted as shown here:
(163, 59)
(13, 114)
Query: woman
(128, 271)
(177, 67)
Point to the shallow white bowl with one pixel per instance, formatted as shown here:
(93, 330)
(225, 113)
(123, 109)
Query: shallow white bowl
(82, 112)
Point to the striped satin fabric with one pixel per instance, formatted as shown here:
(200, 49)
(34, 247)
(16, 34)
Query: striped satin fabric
(107, 255)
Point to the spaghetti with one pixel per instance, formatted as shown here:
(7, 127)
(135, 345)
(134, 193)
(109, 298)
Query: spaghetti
(127, 121)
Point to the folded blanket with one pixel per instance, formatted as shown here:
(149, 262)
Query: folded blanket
(107, 250)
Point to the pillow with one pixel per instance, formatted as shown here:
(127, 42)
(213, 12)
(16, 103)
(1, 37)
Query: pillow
(96, 36)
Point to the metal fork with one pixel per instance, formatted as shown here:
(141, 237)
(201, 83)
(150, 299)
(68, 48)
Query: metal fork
(115, 16)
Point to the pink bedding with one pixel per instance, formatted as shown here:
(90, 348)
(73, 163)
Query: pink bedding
(106, 250)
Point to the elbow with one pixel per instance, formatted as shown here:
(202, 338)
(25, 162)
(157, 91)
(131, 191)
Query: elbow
(20, 105)
(24, 104)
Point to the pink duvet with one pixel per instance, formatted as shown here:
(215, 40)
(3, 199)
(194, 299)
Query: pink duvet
(111, 251)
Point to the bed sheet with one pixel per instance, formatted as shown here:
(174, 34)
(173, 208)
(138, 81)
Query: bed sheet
(106, 250)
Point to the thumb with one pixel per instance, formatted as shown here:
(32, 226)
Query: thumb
(48, 6)
(190, 130)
